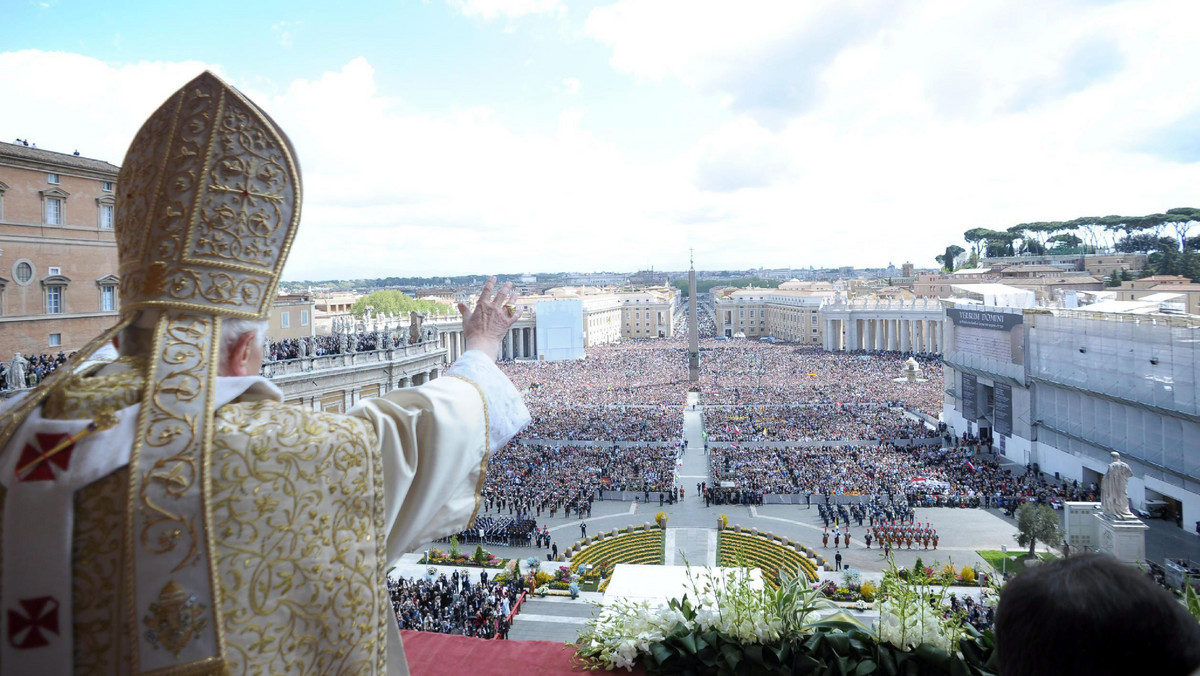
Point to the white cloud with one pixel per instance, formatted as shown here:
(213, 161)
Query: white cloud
(509, 9)
(843, 135)
(390, 192)
(572, 85)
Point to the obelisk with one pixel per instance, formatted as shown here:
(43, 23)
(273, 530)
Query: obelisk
(693, 326)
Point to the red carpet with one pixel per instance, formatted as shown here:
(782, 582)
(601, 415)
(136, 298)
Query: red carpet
(431, 654)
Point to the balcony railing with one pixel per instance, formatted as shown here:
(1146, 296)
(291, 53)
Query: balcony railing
(308, 365)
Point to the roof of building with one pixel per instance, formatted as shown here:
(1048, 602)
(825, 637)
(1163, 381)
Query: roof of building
(32, 154)
(1032, 268)
(1192, 286)
(1134, 307)
(972, 271)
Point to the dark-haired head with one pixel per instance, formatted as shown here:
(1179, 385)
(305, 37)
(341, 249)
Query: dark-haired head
(1091, 614)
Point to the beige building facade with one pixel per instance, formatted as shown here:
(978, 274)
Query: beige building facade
(791, 313)
(58, 255)
(1187, 290)
(292, 316)
(648, 313)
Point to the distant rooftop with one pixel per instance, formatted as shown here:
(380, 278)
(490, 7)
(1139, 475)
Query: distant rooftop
(29, 153)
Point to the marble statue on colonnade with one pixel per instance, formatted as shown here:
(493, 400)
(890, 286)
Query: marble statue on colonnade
(415, 321)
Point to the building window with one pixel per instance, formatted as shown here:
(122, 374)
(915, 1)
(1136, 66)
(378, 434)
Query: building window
(106, 217)
(54, 209)
(304, 318)
(55, 340)
(108, 298)
(54, 300)
(23, 271)
(285, 319)
(53, 179)
(106, 186)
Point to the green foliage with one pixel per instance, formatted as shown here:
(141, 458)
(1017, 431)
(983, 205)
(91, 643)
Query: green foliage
(1193, 602)
(480, 555)
(396, 302)
(811, 641)
(1037, 523)
(453, 546)
(947, 258)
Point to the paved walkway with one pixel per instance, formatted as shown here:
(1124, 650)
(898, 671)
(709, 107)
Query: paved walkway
(553, 618)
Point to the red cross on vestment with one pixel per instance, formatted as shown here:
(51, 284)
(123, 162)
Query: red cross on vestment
(25, 630)
(34, 463)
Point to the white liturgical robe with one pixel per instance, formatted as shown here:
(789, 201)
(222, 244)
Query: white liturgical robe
(308, 509)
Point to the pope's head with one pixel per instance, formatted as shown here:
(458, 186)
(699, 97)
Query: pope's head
(242, 343)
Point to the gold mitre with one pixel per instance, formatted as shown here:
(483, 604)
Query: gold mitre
(208, 204)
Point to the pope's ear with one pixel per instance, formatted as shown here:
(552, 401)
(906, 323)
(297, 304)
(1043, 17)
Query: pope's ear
(237, 362)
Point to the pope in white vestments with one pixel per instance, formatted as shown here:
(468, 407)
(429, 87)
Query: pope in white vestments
(167, 512)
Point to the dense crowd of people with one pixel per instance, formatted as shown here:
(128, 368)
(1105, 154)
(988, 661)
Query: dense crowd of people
(35, 369)
(526, 479)
(814, 422)
(750, 372)
(636, 372)
(319, 346)
(571, 422)
(925, 477)
(453, 604)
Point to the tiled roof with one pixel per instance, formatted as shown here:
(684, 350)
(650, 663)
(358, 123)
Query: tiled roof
(48, 156)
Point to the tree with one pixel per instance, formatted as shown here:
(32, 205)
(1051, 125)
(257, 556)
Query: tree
(397, 302)
(947, 258)
(1065, 240)
(1181, 218)
(1037, 523)
(1143, 242)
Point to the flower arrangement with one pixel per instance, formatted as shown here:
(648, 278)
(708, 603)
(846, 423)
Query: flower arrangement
(661, 519)
(481, 558)
(724, 626)
(724, 522)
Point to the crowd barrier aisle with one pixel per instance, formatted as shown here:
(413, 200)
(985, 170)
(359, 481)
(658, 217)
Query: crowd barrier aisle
(511, 614)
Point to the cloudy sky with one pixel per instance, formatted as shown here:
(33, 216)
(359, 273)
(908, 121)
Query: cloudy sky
(474, 136)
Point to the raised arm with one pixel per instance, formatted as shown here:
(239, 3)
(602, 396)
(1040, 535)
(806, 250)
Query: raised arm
(435, 439)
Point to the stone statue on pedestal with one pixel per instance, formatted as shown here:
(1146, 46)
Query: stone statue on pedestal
(387, 339)
(16, 372)
(343, 343)
(1113, 498)
(302, 348)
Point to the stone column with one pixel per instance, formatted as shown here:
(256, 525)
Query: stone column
(905, 335)
(506, 350)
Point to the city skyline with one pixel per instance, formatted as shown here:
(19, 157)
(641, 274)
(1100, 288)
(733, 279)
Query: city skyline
(520, 135)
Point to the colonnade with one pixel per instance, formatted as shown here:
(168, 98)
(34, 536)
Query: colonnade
(880, 334)
(520, 343)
